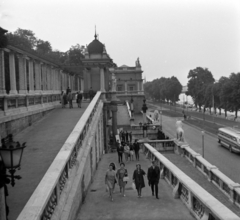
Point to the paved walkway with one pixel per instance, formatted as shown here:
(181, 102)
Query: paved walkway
(98, 206)
(44, 140)
(183, 164)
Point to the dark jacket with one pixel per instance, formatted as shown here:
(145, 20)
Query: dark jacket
(136, 146)
(138, 178)
(153, 174)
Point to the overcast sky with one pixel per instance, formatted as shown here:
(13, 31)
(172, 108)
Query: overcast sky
(170, 37)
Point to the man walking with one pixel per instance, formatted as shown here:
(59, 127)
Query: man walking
(120, 150)
(153, 176)
(136, 148)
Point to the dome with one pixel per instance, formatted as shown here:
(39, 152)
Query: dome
(95, 47)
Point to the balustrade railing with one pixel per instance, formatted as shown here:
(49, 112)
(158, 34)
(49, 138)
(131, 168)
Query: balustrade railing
(19, 101)
(48, 193)
(129, 110)
(201, 204)
(214, 175)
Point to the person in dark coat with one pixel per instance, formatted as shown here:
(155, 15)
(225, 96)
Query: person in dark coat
(130, 136)
(136, 149)
(68, 90)
(120, 151)
(153, 176)
(126, 136)
(123, 136)
(91, 94)
(138, 179)
(79, 99)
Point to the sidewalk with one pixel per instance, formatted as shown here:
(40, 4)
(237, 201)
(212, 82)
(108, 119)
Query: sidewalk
(44, 140)
(98, 206)
(184, 165)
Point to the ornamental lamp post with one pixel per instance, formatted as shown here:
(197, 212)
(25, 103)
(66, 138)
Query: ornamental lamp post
(11, 154)
(10, 159)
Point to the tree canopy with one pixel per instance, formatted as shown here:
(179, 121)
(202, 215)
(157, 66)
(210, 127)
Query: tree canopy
(165, 89)
(26, 40)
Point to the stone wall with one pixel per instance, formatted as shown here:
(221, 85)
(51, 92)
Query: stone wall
(15, 123)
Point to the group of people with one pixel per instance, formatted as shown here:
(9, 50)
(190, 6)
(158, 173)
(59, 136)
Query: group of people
(128, 149)
(125, 136)
(68, 97)
(121, 178)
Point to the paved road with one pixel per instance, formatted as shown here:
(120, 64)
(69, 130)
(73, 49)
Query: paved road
(98, 206)
(228, 163)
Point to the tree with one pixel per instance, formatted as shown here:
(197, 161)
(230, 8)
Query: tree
(198, 78)
(43, 47)
(75, 55)
(225, 93)
(3, 38)
(25, 39)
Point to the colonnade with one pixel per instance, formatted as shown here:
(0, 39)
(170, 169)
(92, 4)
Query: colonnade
(23, 74)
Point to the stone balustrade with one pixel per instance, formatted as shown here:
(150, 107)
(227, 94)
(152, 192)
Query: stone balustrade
(214, 175)
(63, 188)
(160, 145)
(129, 110)
(200, 203)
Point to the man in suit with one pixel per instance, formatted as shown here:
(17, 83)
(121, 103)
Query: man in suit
(153, 177)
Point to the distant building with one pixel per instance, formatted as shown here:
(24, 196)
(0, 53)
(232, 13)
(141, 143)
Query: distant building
(130, 84)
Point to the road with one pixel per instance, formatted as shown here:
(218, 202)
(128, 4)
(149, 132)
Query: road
(228, 163)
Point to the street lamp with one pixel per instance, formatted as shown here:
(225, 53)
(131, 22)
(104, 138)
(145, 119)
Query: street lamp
(11, 155)
(10, 159)
(203, 132)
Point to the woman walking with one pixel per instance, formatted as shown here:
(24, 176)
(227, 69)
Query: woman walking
(138, 179)
(126, 151)
(122, 174)
(110, 180)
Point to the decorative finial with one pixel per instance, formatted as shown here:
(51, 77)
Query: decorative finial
(95, 33)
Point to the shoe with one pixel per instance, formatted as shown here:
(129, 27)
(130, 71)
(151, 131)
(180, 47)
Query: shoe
(157, 197)
(124, 195)
(153, 194)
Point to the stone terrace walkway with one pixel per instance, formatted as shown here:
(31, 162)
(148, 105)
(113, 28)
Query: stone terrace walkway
(44, 140)
(98, 206)
(184, 165)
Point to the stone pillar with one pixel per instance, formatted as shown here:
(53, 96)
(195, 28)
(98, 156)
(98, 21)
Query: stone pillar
(22, 75)
(12, 73)
(142, 89)
(37, 77)
(125, 84)
(82, 84)
(78, 84)
(43, 78)
(2, 73)
(114, 119)
(102, 80)
(89, 80)
(138, 87)
(31, 83)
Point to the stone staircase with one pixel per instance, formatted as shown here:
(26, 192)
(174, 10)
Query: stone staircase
(122, 115)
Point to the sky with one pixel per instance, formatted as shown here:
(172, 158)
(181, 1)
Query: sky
(170, 37)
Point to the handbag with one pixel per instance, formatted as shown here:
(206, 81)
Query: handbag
(133, 186)
(125, 179)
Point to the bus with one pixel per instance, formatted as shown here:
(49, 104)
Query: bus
(229, 138)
